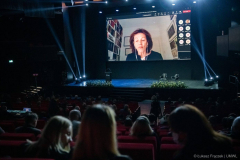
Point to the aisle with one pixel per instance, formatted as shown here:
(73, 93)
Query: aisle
(146, 106)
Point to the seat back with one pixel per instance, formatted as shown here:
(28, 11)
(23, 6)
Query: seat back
(10, 148)
(131, 139)
(167, 140)
(139, 151)
(18, 136)
(167, 151)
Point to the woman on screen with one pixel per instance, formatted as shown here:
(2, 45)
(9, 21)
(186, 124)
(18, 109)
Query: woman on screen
(141, 45)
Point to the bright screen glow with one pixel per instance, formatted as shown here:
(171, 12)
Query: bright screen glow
(150, 36)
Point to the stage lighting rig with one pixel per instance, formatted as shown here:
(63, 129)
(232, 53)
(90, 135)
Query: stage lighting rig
(208, 82)
(216, 78)
(78, 80)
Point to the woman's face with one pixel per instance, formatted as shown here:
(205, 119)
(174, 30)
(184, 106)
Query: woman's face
(140, 42)
(66, 136)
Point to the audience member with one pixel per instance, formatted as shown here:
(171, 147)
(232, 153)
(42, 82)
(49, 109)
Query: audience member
(114, 107)
(30, 125)
(124, 112)
(152, 119)
(226, 124)
(1, 131)
(75, 118)
(235, 129)
(4, 114)
(141, 128)
(99, 100)
(77, 108)
(53, 107)
(213, 120)
(155, 107)
(169, 100)
(191, 128)
(97, 135)
(128, 121)
(54, 142)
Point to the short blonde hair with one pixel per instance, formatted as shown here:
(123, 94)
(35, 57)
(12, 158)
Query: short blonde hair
(141, 127)
(97, 134)
(51, 135)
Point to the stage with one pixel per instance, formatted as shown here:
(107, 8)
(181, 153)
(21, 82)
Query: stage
(146, 83)
(140, 89)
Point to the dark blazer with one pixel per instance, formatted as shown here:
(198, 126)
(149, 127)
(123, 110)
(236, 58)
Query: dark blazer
(28, 129)
(44, 152)
(152, 57)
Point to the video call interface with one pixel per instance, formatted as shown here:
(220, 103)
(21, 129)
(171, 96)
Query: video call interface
(149, 36)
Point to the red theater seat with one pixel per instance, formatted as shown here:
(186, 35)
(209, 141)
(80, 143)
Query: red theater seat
(163, 134)
(10, 148)
(24, 159)
(167, 140)
(167, 151)
(131, 139)
(138, 151)
(18, 136)
(7, 126)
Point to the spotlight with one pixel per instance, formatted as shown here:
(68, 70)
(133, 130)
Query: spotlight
(80, 77)
(75, 79)
(84, 77)
(194, 1)
(208, 82)
(126, 0)
(211, 77)
(134, 8)
(10, 61)
(100, 12)
(117, 10)
(87, 4)
(86, 0)
(153, 6)
(173, 4)
(106, 2)
(216, 79)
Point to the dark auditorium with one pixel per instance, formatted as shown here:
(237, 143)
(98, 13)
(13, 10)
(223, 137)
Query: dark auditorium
(119, 79)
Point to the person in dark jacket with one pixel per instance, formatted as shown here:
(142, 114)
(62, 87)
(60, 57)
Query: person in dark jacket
(30, 125)
(141, 45)
(155, 107)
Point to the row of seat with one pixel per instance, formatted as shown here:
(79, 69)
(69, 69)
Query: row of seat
(137, 148)
(140, 151)
(10, 125)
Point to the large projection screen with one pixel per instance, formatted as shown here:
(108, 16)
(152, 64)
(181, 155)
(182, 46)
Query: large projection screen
(170, 36)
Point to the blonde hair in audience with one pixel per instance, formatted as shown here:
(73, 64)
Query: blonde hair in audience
(51, 135)
(97, 134)
(141, 127)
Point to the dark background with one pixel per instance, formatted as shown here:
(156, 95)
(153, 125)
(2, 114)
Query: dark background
(31, 45)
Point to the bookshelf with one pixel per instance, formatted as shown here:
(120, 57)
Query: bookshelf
(172, 35)
(114, 39)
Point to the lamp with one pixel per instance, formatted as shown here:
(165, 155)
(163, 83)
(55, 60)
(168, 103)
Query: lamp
(175, 77)
(163, 76)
